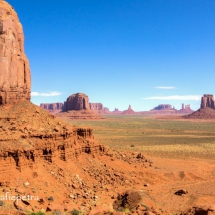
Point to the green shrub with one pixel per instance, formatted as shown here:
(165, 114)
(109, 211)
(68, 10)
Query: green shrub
(37, 213)
(75, 212)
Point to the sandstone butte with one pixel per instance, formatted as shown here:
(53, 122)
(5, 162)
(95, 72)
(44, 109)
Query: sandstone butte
(99, 108)
(77, 106)
(206, 110)
(52, 108)
(62, 167)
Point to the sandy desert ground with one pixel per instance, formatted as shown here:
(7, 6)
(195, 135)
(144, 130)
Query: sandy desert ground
(182, 152)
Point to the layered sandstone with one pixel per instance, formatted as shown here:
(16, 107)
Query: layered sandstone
(99, 108)
(78, 101)
(96, 106)
(15, 80)
(207, 101)
(24, 142)
(52, 106)
(77, 107)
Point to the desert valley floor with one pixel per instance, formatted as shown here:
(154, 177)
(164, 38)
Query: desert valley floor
(181, 152)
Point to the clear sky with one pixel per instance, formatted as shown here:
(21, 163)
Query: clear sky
(120, 52)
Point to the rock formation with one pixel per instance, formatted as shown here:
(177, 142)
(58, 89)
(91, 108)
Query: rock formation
(207, 101)
(206, 110)
(96, 106)
(106, 110)
(63, 165)
(185, 109)
(116, 111)
(129, 111)
(163, 107)
(52, 106)
(44, 137)
(78, 101)
(15, 80)
(77, 107)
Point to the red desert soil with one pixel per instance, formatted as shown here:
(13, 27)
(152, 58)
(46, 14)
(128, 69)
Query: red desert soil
(95, 176)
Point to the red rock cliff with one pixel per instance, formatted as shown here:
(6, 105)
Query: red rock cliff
(52, 106)
(78, 101)
(207, 101)
(15, 81)
(96, 106)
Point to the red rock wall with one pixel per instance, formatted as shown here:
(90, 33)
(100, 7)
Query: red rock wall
(15, 80)
(52, 106)
(50, 147)
(77, 101)
(96, 106)
(207, 101)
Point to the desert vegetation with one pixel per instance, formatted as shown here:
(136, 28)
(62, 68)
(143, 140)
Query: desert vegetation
(157, 137)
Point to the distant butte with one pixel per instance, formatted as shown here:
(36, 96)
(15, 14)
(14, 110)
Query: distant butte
(206, 110)
(77, 107)
(129, 111)
(53, 108)
(99, 108)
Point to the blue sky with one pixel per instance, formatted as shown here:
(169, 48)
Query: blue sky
(120, 52)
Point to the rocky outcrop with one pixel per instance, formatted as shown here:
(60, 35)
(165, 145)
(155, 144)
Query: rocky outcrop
(106, 110)
(15, 80)
(78, 101)
(77, 107)
(207, 101)
(96, 106)
(24, 142)
(163, 107)
(52, 106)
(185, 109)
(116, 111)
(129, 111)
(206, 110)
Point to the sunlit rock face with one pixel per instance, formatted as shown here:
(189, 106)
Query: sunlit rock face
(78, 101)
(208, 101)
(15, 80)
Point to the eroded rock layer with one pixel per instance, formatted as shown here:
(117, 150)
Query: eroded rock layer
(52, 106)
(96, 106)
(14, 67)
(24, 141)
